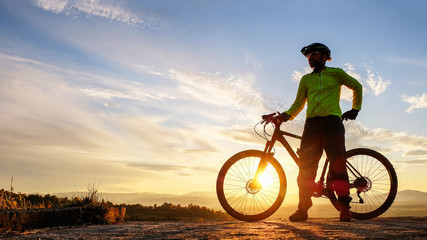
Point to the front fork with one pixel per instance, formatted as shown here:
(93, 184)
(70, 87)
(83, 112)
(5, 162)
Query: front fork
(256, 183)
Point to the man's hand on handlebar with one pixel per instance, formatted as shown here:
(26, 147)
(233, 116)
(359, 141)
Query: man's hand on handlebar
(276, 118)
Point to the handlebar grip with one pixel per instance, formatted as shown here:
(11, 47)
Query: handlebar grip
(265, 117)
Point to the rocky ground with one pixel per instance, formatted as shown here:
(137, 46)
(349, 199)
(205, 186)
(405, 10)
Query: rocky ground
(317, 228)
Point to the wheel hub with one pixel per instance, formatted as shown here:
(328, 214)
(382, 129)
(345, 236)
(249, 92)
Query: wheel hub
(251, 188)
(363, 184)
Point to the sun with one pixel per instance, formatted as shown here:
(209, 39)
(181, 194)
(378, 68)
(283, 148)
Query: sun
(266, 179)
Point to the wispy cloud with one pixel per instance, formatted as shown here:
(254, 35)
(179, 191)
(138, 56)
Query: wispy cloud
(415, 153)
(111, 10)
(415, 101)
(414, 162)
(232, 91)
(377, 84)
(58, 125)
(135, 94)
(17, 59)
(349, 68)
(149, 70)
(155, 167)
(170, 167)
(421, 62)
(253, 62)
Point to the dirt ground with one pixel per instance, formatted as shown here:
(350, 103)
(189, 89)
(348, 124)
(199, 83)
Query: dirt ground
(317, 228)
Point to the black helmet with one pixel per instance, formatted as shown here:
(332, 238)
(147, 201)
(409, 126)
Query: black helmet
(316, 47)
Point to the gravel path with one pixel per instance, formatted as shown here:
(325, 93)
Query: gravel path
(317, 228)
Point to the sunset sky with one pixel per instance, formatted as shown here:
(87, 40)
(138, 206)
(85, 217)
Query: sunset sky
(154, 96)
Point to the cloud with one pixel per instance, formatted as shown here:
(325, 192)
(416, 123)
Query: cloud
(52, 121)
(134, 94)
(234, 92)
(398, 147)
(415, 153)
(111, 10)
(253, 62)
(21, 60)
(205, 169)
(421, 62)
(377, 84)
(149, 70)
(415, 162)
(55, 6)
(415, 101)
(156, 167)
(41, 107)
(170, 167)
(385, 139)
(349, 68)
(242, 135)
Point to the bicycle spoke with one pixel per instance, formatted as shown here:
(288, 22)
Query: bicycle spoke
(238, 175)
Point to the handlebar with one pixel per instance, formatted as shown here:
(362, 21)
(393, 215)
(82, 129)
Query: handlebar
(275, 118)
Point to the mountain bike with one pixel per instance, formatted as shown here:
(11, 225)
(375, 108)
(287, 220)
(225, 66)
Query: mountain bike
(251, 185)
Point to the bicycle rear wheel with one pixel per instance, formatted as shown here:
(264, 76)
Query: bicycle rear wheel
(237, 197)
(373, 176)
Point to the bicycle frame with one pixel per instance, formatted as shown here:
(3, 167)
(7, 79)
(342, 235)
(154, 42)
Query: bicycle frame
(278, 135)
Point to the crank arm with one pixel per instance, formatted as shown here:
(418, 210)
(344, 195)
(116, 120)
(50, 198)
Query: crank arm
(360, 198)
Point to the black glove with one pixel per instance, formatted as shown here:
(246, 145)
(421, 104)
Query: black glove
(276, 117)
(350, 115)
(281, 118)
(285, 117)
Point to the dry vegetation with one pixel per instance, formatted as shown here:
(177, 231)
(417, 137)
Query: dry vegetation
(20, 211)
(16, 201)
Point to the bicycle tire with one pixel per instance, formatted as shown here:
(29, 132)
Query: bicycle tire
(232, 187)
(381, 183)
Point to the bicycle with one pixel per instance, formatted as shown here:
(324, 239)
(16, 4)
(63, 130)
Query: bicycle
(251, 185)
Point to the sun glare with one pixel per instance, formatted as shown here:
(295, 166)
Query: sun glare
(266, 179)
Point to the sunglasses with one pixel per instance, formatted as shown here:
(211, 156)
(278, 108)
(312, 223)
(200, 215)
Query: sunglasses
(312, 54)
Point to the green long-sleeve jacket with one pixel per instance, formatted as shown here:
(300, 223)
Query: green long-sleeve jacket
(322, 93)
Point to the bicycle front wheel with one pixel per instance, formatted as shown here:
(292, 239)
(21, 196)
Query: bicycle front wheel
(373, 183)
(237, 197)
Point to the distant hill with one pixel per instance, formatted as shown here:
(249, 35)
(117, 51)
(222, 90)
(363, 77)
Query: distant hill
(411, 196)
(209, 199)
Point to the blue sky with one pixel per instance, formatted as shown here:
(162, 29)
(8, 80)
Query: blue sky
(154, 96)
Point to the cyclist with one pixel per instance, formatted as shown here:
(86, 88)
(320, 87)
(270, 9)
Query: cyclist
(323, 129)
